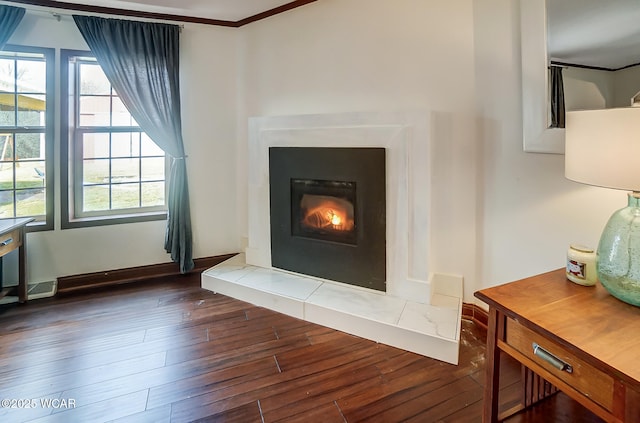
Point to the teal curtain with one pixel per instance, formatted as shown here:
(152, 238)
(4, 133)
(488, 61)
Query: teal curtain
(557, 97)
(141, 60)
(10, 17)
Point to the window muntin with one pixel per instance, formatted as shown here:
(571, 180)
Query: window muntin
(116, 173)
(116, 169)
(26, 134)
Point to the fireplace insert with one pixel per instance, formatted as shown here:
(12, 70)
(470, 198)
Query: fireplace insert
(328, 211)
(324, 210)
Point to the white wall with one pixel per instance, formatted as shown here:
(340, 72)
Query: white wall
(498, 213)
(627, 85)
(530, 212)
(586, 89)
(208, 69)
(362, 55)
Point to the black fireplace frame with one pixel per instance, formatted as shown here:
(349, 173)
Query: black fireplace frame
(362, 264)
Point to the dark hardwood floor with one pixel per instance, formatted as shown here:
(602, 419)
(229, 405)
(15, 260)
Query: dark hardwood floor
(169, 351)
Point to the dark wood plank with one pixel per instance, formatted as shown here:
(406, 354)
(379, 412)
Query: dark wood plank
(326, 413)
(243, 373)
(243, 414)
(293, 382)
(433, 405)
(169, 351)
(411, 382)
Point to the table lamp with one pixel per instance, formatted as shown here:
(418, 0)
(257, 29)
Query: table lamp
(603, 149)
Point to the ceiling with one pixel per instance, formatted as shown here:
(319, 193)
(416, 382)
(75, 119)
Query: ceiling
(227, 10)
(203, 11)
(598, 33)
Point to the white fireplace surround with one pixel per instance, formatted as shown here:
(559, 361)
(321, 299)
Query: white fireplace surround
(428, 305)
(407, 184)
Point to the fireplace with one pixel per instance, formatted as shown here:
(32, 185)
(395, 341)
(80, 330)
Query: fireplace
(419, 309)
(328, 213)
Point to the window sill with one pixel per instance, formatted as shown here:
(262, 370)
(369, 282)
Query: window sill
(113, 220)
(39, 226)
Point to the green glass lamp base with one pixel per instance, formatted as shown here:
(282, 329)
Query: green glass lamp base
(618, 259)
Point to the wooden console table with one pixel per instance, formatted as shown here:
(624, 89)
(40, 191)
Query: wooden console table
(12, 237)
(578, 339)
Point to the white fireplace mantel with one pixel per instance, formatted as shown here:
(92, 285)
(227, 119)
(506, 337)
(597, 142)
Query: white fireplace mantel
(405, 136)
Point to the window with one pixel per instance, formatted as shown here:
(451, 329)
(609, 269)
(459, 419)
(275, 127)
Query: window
(26, 134)
(115, 172)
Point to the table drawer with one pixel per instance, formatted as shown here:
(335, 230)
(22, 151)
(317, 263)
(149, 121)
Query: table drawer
(583, 377)
(9, 242)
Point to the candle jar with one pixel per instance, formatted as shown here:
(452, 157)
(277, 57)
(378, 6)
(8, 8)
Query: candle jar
(581, 265)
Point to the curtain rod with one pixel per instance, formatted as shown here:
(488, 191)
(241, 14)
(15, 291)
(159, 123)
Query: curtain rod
(58, 16)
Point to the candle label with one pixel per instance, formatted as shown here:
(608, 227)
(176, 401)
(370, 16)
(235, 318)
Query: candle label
(576, 269)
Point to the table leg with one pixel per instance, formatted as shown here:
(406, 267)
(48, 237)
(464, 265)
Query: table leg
(492, 369)
(22, 269)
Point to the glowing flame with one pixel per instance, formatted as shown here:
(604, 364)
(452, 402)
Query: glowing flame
(328, 215)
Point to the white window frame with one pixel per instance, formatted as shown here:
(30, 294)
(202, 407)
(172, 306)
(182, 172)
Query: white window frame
(45, 221)
(72, 158)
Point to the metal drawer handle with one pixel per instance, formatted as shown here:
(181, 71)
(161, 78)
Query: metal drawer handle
(6, 242)
(551, 359)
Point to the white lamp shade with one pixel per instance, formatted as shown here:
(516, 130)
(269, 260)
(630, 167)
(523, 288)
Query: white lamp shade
(603, 147)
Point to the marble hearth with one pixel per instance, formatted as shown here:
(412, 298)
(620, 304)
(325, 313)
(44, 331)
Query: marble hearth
(421, 309)
(428, 329)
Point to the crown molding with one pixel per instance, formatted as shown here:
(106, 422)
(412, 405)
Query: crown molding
(162, 16)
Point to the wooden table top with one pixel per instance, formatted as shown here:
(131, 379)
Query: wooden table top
(581, 318)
